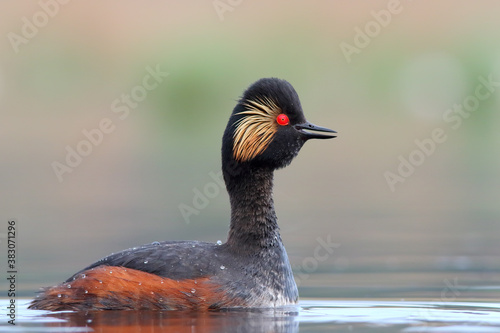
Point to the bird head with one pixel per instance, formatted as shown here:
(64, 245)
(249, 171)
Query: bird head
(267, 128)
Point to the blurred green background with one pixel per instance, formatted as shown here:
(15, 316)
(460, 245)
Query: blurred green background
(63, 76)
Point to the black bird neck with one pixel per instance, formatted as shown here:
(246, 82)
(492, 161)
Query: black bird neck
(253, 219)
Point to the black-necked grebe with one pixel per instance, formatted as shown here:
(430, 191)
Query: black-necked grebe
(265, 132)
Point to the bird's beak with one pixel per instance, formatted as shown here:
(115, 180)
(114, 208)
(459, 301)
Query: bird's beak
(306, 128)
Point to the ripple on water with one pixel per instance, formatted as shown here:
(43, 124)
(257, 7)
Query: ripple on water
(394, 316)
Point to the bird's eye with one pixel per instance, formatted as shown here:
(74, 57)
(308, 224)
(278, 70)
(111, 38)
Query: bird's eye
(282, 119)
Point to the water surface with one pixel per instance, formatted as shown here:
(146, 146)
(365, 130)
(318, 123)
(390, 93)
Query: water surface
(321, 315)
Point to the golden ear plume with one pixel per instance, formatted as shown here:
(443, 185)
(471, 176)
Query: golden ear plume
(255, 130)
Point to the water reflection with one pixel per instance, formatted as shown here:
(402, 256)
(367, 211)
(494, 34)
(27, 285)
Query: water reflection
(154, 321)
(376, 315)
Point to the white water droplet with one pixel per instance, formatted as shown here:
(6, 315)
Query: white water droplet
(110, 272)
(162, 281)
(146, 261)
(86, 291)
(140, 283)
(100, 281)
(222, 267)
(59, 295)
(84, 276)
(193, 291)
(155, 243)
(69, 286)
(219, 242)
(89, 321)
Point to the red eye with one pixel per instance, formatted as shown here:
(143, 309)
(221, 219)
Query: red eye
(282, 119)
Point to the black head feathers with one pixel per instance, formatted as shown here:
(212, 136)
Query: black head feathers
(267, 127)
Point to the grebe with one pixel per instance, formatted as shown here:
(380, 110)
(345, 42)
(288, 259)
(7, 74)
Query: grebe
(266, 130)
